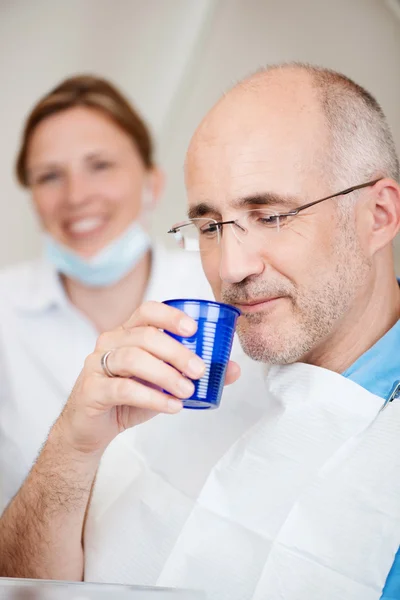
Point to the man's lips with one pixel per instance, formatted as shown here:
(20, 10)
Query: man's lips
(257, 305)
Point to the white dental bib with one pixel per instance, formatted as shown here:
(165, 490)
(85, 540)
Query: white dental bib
(304, 505)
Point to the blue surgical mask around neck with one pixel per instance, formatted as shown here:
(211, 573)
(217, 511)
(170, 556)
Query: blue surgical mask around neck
(107, 267)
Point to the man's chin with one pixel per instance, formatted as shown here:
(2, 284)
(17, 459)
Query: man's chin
(254, 345)
(269, 346)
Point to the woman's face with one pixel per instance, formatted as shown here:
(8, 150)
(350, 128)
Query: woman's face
(87, 178)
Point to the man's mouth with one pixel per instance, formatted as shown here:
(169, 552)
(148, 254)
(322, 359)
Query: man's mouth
(258, 305)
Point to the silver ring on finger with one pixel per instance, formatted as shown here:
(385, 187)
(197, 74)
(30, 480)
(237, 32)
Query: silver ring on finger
(104, 364)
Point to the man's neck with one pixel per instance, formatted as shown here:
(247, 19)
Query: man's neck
(359, 330)
(109, 307)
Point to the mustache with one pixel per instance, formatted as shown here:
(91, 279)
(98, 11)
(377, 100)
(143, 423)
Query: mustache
(242, 293)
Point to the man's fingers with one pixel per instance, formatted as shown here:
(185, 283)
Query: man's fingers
(140, 350)
(135, 362)
(232, 373)
(128, 392)
(154, 342)
(162, 316)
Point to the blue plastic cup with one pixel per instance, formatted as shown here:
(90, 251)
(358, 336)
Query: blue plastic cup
(212, 341)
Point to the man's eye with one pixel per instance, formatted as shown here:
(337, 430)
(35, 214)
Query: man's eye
(209, 229)
(270, 220)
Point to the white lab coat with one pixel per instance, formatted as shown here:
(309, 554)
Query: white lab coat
(44, 341)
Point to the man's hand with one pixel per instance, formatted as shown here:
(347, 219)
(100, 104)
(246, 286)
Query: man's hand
(145, 361)
(41, 530)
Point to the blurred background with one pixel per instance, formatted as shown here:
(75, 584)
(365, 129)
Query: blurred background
(174, 58)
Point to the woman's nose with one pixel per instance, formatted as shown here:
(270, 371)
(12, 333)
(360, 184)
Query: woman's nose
(76, 189)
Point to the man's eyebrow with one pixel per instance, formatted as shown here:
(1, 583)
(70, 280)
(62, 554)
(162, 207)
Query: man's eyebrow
(268, 199)
(201, 210)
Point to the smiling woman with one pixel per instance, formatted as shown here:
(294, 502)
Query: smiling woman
(86, 159)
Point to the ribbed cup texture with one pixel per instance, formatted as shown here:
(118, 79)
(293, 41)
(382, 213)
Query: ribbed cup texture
(213, 343)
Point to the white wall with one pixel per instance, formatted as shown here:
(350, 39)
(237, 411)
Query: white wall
(174, 58)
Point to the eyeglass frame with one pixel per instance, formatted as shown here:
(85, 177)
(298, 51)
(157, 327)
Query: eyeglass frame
(292, 213)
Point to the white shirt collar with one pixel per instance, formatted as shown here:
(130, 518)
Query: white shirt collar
(41, 290)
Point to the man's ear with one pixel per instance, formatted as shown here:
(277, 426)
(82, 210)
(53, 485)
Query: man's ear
(384, 213)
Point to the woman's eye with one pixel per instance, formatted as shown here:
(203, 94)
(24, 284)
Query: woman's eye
(101, 165)
(47, 177)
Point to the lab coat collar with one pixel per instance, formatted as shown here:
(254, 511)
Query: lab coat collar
(41, 290)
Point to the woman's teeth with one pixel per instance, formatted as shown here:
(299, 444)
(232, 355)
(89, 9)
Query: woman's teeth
(86, 225)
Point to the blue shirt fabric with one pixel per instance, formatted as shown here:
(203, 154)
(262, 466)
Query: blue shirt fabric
(376, 371)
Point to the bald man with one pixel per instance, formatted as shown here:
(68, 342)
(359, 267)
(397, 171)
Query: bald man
(294, 202)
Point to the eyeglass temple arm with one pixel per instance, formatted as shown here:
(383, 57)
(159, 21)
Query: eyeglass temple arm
(178, 227)
(342, 193)
(219, 223)
(296, 210)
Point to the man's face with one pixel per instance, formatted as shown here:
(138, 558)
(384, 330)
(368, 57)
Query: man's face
(297, 286)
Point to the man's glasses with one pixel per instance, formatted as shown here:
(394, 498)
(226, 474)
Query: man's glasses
(204, 234)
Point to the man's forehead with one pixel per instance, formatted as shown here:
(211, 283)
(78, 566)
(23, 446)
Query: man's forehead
(224, 140)
(287, 96)
(254, 140)
(259, 163)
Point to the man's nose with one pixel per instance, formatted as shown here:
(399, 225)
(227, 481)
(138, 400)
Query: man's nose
(239, 259)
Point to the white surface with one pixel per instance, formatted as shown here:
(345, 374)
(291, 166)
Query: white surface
(174, 58)
(18, 589)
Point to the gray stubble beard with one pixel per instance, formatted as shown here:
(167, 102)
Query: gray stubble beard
(316, 313)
